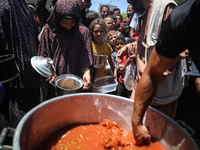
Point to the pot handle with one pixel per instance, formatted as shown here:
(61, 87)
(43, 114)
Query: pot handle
(186, 127)
(5, 134)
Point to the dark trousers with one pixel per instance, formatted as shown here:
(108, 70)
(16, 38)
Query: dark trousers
(188, 110)
(122, 91)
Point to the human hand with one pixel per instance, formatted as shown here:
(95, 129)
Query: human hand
(52, 78)
(131, 58)
(115, 74)
(120, 54)
(183, 55)
(141, 134)
(131, 51)
(197, 84)
(119, 70)
(119, 29)
(123, 70)
(87, 82)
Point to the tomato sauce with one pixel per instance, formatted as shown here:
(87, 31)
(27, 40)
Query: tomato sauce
(106, 135)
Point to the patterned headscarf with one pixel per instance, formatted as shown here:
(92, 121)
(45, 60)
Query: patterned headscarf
(63, 9)
(71, 50)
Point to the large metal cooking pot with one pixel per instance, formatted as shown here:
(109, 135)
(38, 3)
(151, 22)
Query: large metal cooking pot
(52, 115)
(9, 68)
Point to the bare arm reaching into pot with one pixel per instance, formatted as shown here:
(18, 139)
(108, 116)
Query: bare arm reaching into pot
(173, 39)
(156, 65)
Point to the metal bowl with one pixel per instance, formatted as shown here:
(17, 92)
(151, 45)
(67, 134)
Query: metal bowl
(99, 60)
(67, 84)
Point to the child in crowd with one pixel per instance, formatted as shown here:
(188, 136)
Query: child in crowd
(120, 42)
(111, 38)
(98, 31)
(110, 22)
(67, 43)
(119, 20)
(121, 69)
(110, 25)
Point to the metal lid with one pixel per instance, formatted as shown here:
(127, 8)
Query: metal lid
(43, 66)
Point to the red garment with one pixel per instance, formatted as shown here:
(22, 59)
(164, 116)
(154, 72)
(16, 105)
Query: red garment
(121, 76)
(125, 20)
(135, 34)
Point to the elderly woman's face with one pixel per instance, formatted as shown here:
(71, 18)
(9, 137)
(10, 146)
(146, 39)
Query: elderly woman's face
(82, 3)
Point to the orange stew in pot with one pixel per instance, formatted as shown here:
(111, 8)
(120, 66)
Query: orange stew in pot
(106, 135)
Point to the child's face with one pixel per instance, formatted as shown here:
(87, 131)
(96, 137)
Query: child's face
(68, 23)
(119, 44)
(112, 39)
(116, 12)
(119, 19)
(98, 34)
(104, 12)
(109, 23)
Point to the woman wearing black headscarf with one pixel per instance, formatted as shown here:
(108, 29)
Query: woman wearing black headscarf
(21, 31)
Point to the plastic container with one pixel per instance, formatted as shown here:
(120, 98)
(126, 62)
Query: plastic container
(99, 60)
(105, 84)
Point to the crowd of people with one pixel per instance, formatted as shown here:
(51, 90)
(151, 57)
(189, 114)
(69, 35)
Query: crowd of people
(157, 39)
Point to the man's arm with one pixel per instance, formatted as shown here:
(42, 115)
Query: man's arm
(132, 30)
(148, 83)
(123, 51)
